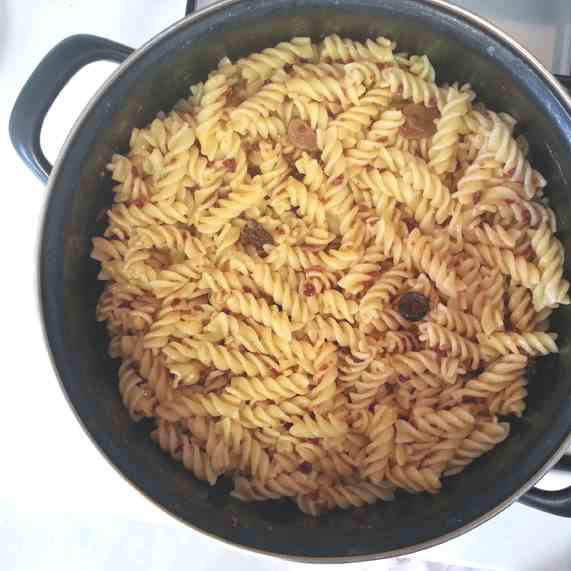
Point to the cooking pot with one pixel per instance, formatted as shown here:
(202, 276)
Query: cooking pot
(462, 47)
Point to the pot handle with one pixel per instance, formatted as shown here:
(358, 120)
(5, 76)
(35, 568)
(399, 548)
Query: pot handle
(44, 85)
(564, 80)
(556, 502)
(194, 5)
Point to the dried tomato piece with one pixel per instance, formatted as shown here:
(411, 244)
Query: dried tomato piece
(301, 135)
(254, 234)
(233, 97)
(413, 306)
(335, 244)
(230, 165)
(419, 121)
(309, 289)
(298, 176)
(409, 132)
(254, 171)
(305, 467)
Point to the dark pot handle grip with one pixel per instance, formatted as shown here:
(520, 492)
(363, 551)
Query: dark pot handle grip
(44, 85)
(556, 502)
(565, 81)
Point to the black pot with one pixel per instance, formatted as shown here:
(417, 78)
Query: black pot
(462, 47)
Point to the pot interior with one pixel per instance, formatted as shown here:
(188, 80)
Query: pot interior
(154, 80)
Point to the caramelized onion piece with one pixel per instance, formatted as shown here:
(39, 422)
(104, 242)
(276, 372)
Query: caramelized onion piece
(301, 135)
(413, 306)
(420, 121)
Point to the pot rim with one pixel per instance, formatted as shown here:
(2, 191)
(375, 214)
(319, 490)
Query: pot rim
(442, 5)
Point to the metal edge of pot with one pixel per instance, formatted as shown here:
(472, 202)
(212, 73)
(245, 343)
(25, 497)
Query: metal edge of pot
(471, 19)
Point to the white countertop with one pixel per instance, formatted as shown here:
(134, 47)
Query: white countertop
(61, 505)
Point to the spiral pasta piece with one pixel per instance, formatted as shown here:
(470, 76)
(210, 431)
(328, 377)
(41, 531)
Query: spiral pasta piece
(552, 288)
(221, 357)
(212, 405)
(531, 343)
(181, 448)
(511, 400)
(444, 148)
(310, 206)
(354, 496)
(260, 105)
(514, 164)
(503, 371)
(434, 265)
(455, 320)
(387, 127)
(330, 329)
(390, 237)
(210, 113)
(125, 219)
(517, 267)
(520, 306)
(437, 337)
(283, 485)
(386, 183)
(259, 309)
(411, 87)
(320, 426)
(312, 112)
(420, 65)
(324, 90)
(355, 120)
(333, 302)
(302, 259)
(246, 453)
(381, 292)
(264, 64)
(421, 179)
(137, 396)
(381, 432)
(338, 49)
(325, 378)
(314, 177)
(265, 416)
(482, 439)
(414, 479)
(259, 339)
(239, 200)
(453, 423)
(526, 214)
(361, 274)
(332, 153)
(255, 389)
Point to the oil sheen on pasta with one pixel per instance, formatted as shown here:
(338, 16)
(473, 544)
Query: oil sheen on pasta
(260, 237)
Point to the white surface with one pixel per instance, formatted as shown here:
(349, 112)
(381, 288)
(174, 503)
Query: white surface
(61, 505)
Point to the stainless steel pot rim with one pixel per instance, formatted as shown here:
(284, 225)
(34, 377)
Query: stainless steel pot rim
(470, 18)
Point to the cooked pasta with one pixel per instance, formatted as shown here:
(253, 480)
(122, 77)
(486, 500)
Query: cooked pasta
(326, 275)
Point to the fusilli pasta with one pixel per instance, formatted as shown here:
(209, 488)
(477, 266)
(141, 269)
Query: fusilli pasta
(326, 275)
